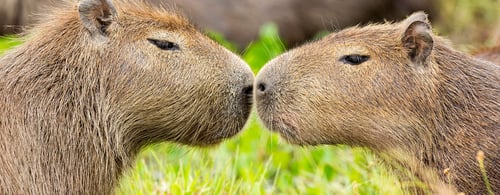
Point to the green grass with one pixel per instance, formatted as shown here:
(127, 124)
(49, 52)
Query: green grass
(7, 43)
(257, 162)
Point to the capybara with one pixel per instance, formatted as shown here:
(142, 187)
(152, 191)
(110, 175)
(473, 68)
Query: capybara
(239, 21)
(94, 82)
(491, 54)
(395, 88)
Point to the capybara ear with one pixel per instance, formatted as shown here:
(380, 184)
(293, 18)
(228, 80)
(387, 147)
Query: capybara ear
(96, 16)
(417, 37)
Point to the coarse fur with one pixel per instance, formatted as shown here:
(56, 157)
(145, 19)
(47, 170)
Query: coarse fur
(415, 101)
(88, 89)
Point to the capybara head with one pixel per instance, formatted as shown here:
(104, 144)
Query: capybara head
(352, 86)
(148, 69)
(349, 84)
(397, 89)
(169, 80)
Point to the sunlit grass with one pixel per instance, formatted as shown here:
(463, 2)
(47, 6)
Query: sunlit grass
(7, 43)
(258, 162)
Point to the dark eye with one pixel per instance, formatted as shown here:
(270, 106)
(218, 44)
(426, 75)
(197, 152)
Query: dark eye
(164, 45)
(354, 59)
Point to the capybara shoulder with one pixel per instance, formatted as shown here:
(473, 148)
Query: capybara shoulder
(95, 82)
(397, 89)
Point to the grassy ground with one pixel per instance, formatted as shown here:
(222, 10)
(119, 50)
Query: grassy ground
(258, 162)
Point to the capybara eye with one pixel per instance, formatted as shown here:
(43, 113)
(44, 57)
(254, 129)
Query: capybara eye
(164, 45)
(354, 59)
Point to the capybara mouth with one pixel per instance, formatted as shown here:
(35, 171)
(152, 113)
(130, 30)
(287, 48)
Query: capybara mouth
(286, 130)
(247, 105)
(282, 125)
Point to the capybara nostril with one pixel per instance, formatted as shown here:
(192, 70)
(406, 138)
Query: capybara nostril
(261, 87)
(248, 91)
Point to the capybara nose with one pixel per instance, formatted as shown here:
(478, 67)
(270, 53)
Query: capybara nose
(261, 87)
(248, 91)
(247, 88)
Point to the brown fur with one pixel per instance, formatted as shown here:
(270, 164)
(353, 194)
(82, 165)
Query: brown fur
(77, 105)
(491, 54)
(416, 101)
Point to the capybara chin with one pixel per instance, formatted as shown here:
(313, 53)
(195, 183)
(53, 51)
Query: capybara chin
(397, 89)
(95, 82)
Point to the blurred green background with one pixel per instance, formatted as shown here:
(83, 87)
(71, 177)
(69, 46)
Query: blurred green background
(259, 162)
